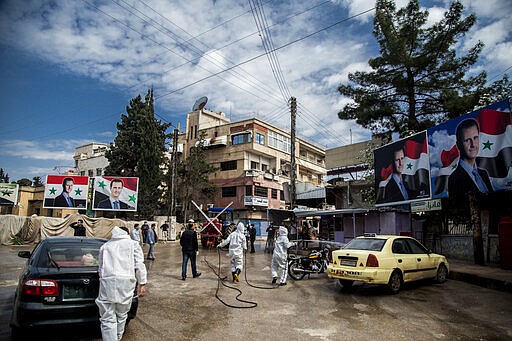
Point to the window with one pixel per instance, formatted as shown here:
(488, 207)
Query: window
(241, 138)
(90, 172)
(237, 139)
(264, 167)
(82, 173)
(279, 141)
(98, 171)
(281, 195)
(274, 193)
(228, 192)
(248, 190)
(228, 165)
(260, 191)
(254, 165)
(260, 138)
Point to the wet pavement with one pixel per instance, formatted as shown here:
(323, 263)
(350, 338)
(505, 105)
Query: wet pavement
(313, 308)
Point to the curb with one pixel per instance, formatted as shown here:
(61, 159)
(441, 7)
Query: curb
(489, 283)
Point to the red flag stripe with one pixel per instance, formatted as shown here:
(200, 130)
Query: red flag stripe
(447, 156)
(413, 149)
(386, 172)
(130, 183)
(494, 122)
(57, 179)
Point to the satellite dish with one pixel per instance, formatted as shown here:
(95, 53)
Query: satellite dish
(200, 103)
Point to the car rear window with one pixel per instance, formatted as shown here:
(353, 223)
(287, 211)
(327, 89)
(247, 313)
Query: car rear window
(369, 244)
(69, 255)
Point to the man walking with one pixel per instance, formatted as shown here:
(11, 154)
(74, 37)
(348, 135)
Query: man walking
(121, 266)
(252, 236)
(189, 249)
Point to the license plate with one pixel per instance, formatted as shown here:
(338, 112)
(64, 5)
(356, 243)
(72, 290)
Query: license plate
(78, 292)
(348, 262)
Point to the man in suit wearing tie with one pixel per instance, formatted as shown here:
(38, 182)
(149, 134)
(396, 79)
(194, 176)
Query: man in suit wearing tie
(113, 202)
(395, 189)
(467, 177)
(64, 199)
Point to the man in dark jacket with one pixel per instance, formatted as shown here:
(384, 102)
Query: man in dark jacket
(79, 228)
(189, 249)
(252, 236)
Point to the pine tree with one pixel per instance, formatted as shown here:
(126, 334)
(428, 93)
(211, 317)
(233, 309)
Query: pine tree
(138, 151)
(418, 80)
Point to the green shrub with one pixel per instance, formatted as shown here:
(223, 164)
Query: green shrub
(17, 240)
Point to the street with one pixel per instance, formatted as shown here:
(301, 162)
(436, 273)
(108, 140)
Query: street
(313, 308)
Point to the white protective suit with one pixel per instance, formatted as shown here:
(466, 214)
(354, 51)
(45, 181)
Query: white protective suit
(121, 265)
(280, 255)
(237, 244)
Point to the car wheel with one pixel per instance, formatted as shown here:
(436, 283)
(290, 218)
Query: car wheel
(346, 285)
(294, 271)
(395, 282)
(442, 273)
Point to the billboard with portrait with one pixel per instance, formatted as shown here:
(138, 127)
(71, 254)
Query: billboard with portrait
(66, 191)
(472, 152)
(402, 171)
(113, 193)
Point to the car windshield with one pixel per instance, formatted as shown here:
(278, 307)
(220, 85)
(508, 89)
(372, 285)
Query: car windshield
(369, 244)
(69, 255)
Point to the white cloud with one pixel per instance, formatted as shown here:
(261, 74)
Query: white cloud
(111, 43)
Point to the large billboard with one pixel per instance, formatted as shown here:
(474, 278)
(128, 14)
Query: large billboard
(472, 152)
(469, 153)
(112, 193)
(66, 191)
(402, 171)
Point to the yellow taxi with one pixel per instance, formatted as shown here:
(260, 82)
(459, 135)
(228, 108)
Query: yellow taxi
(387, 260)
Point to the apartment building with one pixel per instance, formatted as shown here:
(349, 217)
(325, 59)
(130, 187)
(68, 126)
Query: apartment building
(90, 159)
(253, 162)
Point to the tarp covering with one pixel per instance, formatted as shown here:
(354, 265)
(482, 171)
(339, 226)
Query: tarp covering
(33, 229)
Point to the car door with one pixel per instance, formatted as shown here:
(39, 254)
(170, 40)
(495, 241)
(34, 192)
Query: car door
(425, 264)
(405, 260)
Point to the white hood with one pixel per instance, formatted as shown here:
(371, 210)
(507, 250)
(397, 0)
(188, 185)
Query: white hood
(283, 231)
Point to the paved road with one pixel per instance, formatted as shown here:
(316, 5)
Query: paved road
(312, 308)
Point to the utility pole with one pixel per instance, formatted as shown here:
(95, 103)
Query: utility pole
(174, 160)
(293, 175)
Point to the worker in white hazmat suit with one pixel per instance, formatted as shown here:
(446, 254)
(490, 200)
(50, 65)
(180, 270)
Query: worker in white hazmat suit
(280, 256)
(121, 266)
(237, 245)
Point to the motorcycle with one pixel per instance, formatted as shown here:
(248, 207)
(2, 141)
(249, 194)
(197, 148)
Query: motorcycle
(314, 262)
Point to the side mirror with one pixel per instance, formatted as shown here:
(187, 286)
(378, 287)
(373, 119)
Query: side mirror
(24, 254)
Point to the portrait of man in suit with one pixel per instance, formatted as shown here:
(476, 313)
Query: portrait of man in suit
(64, 199)
(467, 177)
(113, 202)
(396, 189)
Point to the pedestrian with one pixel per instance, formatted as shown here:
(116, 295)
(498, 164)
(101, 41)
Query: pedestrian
(151, 240)
(252, 236)
(136, 235)
(144, 229)
(280, 256)
(269, 246)
(237, 244)
(189, 250)
(165, 231)
(120, 268)
(79, 228)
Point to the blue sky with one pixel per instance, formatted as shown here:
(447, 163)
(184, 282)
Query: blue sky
(69, 68)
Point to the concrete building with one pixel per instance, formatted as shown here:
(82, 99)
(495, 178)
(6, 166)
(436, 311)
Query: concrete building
(253, 162)
(90, 159)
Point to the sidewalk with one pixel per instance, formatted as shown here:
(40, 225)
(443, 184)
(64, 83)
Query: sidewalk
(492, 277)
